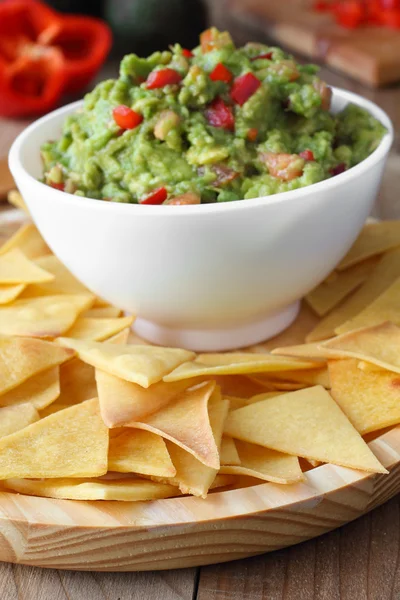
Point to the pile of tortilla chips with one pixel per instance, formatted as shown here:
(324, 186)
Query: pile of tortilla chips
(90, 412)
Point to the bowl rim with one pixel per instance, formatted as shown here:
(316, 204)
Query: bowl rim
(377, 155)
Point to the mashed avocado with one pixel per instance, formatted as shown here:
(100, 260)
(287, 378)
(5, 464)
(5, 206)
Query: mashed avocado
(214, 124)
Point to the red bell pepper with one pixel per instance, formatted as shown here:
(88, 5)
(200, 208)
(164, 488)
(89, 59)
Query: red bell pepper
(162, 77)
(244, 87)
(126, 118)
(221, 73)
(219, 114)
(157, 196)
(44, 54)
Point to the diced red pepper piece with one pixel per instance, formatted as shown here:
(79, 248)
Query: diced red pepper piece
(267, 56)
(157, 196)
(252, 134)
(390, 18)
(244, 87)
(219, 114)
(187, 53)
(307, 155)
(340, 168)
(350, 14)
(221, 73)
(126, 118)
(57, 186)
(163, 77)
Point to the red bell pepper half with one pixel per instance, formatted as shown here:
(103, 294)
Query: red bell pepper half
(44, 54)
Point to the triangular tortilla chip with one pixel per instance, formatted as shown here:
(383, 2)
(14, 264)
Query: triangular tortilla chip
(375, 238)
(142, 452)
(123, 402)
(8, 293)
(277, 384)
(381, 277)
(306, 423)
(15, 418)
(143, 365)
(222, 481)
(235, 363)
(97, 330)
(384, 308)
(307, 377)
(193, 477)
(371, 401)
(39, 390)
(29, 241)
(262, 463)
(22, 358)
(312, 351)
(186, 423)
(70, 443)
(103, 312)
(123, 489)
(77, 382)
(379, 345)
(15, 198)
(236, 385)
(120, 338)
(16, 268)
(332, 291)
(235, 403)
(63, 283)
(46, 317)
(228, 452)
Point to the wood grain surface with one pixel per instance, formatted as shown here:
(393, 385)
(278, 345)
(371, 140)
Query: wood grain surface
(360, 561)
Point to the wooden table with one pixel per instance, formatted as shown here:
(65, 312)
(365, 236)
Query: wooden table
(358, 562)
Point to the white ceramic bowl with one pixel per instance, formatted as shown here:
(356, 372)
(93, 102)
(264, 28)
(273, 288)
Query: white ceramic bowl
(207, 277)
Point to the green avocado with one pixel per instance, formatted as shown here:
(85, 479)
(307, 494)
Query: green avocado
(215, 124)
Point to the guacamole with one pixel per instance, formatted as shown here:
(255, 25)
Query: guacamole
(213, 124)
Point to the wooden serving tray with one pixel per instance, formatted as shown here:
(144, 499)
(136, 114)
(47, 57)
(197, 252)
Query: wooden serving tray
(188, 531)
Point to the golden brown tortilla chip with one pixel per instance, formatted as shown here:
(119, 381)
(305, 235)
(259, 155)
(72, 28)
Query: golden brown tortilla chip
(15, 418)
(143, 365)
(97, 330)
(40, 390)
(29, 241)
(306, 377)
(228, 453)
(8, 293)
(103, 312)
(16, 268)
(70, 443)
(15, 198)
(63, 283)
(120, 338)
(77, 383)
(305, 423)
(375, 238)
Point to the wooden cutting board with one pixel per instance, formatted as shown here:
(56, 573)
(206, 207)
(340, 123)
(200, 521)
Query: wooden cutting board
(369, 54)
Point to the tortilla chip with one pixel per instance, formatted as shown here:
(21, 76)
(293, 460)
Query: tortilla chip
(97, 330)
(63, 283)
(120, 338)
(235, 403)
(103, 312)
(331, 292)
(46, 317)
(237, 385)
(29, 241)
(15, 198)
(262, 463)
(77, 383)
(369, 367)
(123, 489)
(70, 443)
(16, 268)
(235, 363)
(379, 345)
(186, 423)
(221, 481)
(306, 377)
(382, 276)
(192, 476)
(371, 401)
(15, 418)
(312, 351)
(39, 390)
(228, 453)
(277, 384)
(137, 451)
(143, 365)
(22, 358)
(384, 308)
(123, 402)
(8, 293)
(375, 238)
(305, 423)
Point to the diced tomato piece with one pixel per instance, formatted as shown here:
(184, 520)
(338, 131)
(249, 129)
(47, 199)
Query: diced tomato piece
(219, 114)
(224, 174)
(390, 18)
(267, 56)
(57, 186)
(187, 53)
(350, 14)
(126, 118)
(252, 134)
(157, 196)
(283, 166)
(221, 73)
(340, 168)
(244, 87)
(163, 77)
(307, 155)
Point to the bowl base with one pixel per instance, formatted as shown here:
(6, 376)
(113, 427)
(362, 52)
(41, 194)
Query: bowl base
(218, 340)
